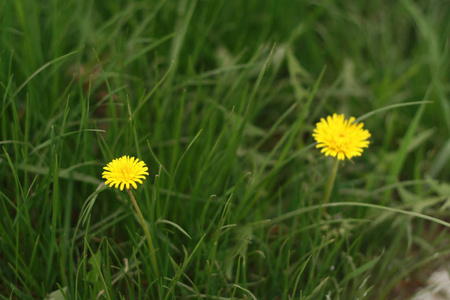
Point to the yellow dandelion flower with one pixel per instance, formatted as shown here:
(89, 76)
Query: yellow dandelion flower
(341, 138)
(124, 171)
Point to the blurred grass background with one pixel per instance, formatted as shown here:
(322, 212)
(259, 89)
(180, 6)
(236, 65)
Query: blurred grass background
(220, 98)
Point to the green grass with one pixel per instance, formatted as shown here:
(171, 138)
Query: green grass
(220, 98)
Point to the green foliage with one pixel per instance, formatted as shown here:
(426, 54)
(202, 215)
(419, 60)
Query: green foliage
(220, 98)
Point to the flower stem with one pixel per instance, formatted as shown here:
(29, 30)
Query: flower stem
(147, 234)
(330, 182)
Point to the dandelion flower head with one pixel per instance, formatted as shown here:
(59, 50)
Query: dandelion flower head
(340, 137)
(125, 171)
